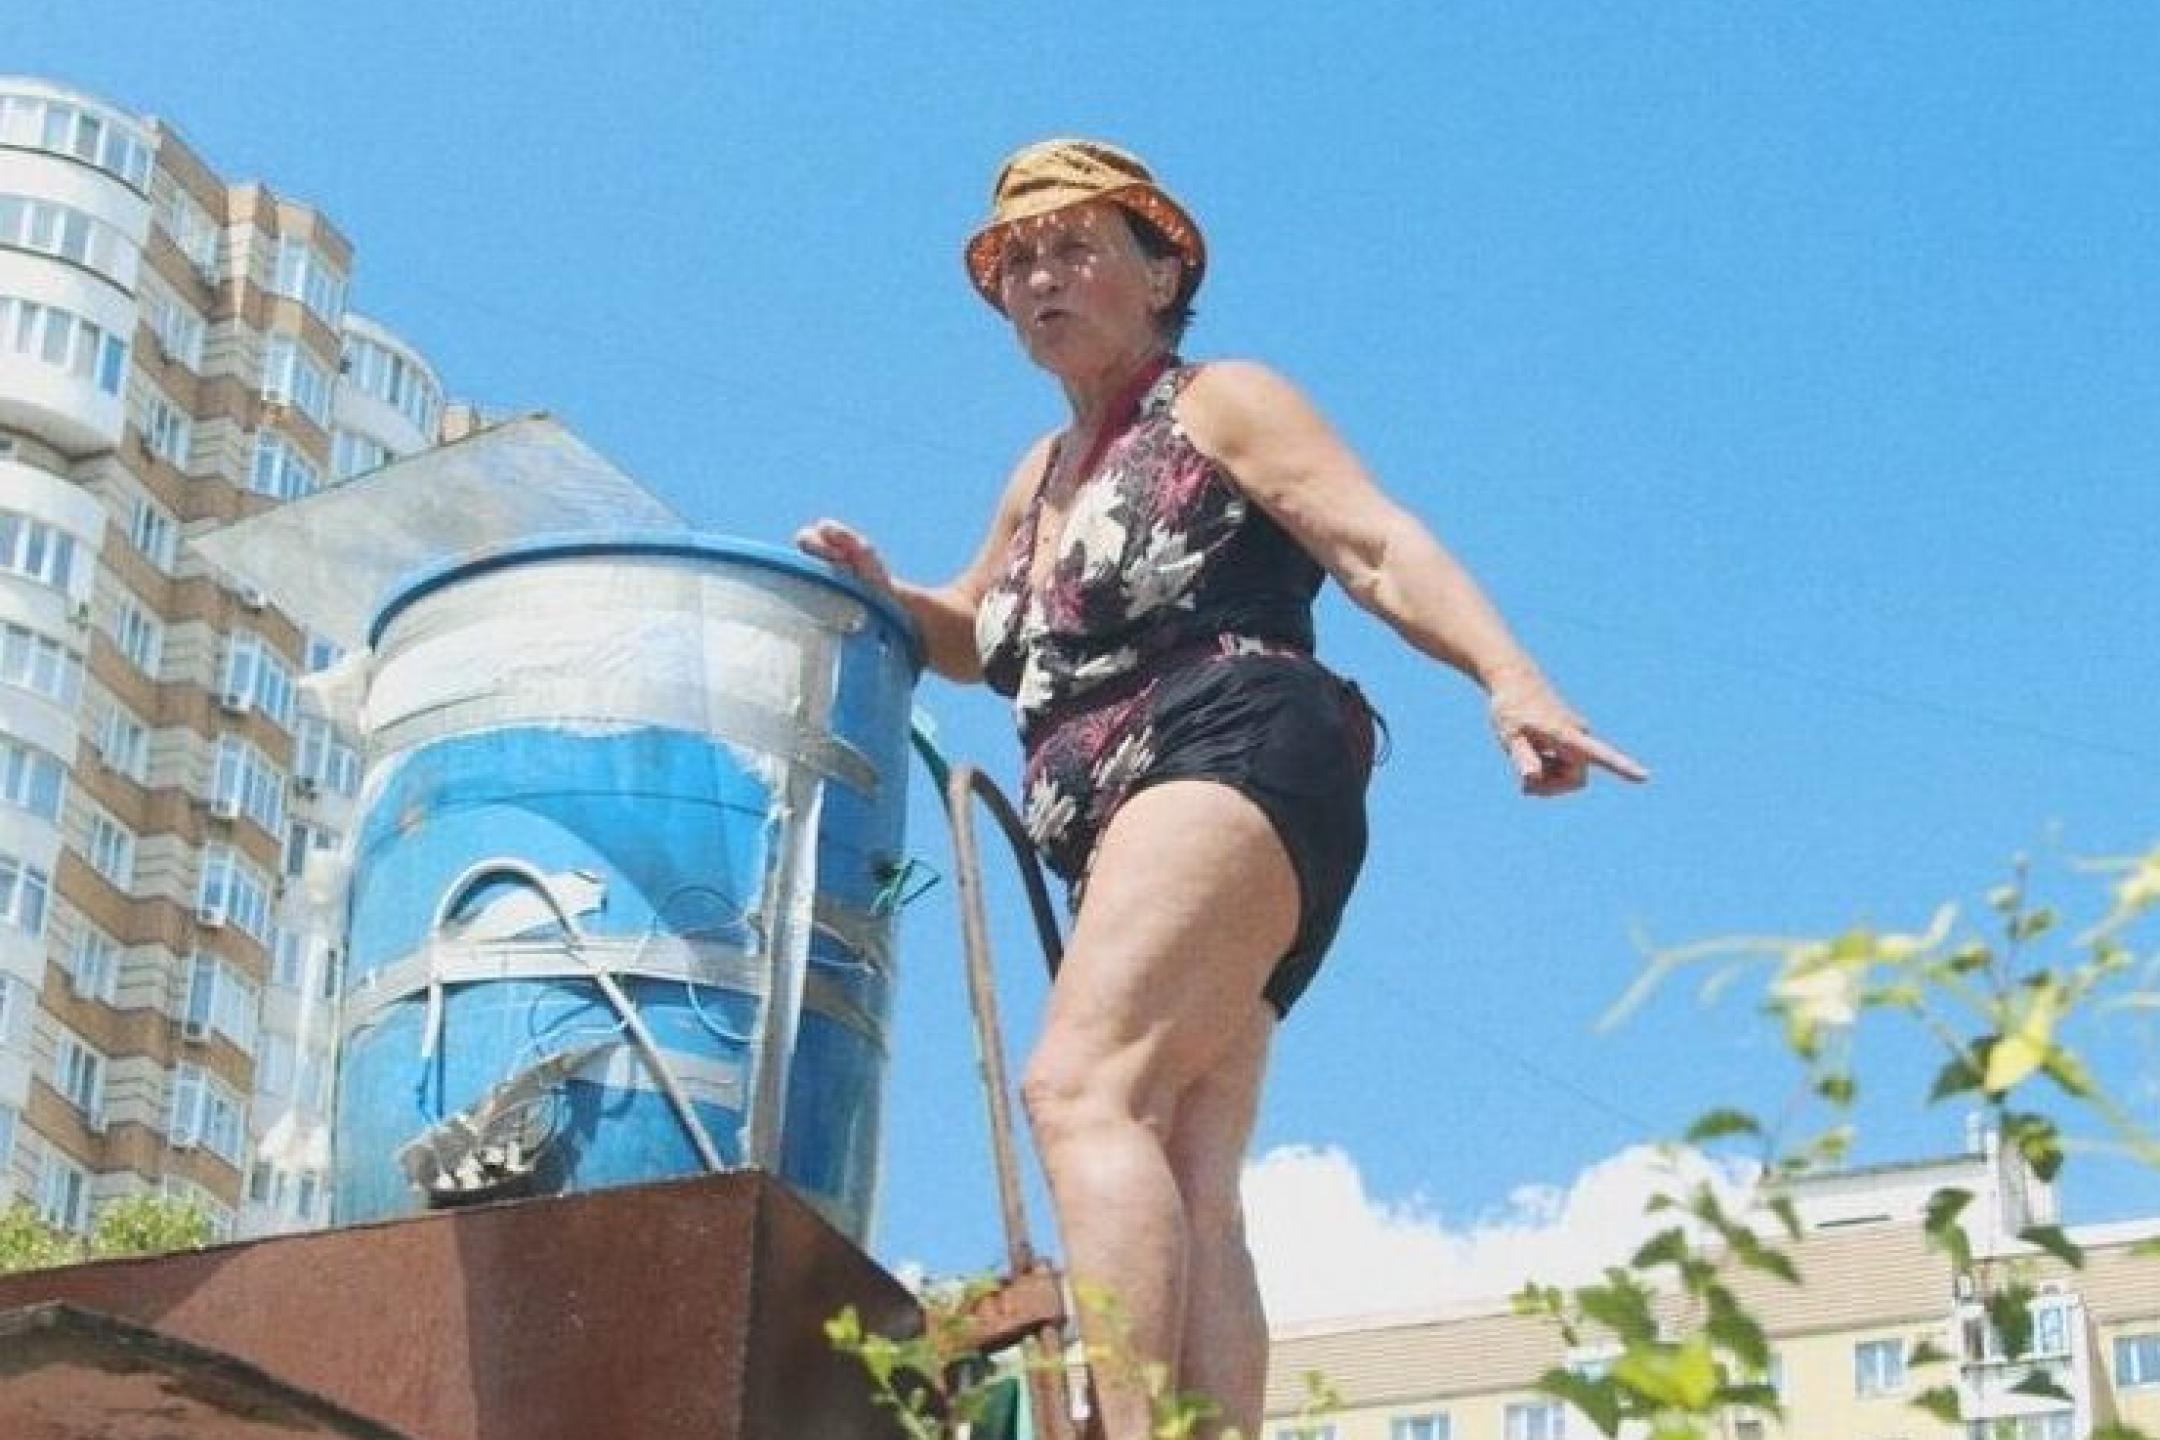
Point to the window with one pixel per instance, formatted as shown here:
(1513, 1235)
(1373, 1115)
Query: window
(9, 1118)
(179, 330)
(354, 454)
(191, 229)
(1878, 1367)
(24, 890)
(233, 891)
(1321, 1431)
(256, 677)
(138, 636)
(111, 851)
(288, 958)
(63, 1193)
(274, 1067)
(321, 654)
(168, 431)
(302, 840)
(2045, 1425)
(1536, 1420)
(2137, 1360)
(124, 743)
(79, 1074)
(68, 129)
(30, 223)
(17, 1003)
(154, 532)
(280, 470)
(396, 381)
(64, 340)
(322, 759)
(39, 665)
(2051, 1329)
(36, 551)
(244, 782)
(303, 274)
(94, 964)
(204, 1112)
(1419, 1427)
(291, 377)
(30, 779)
(220, 998)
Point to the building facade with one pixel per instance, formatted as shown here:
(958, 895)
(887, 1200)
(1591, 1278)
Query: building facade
(1842, 1342)
(176, 353)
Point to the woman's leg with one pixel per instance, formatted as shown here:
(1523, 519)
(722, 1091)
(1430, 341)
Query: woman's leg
(1223, 1351)
(1190, 902)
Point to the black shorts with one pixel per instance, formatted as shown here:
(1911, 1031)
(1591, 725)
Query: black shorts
(1286, 733)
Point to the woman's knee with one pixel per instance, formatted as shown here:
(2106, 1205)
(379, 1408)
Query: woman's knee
(1071, 1092)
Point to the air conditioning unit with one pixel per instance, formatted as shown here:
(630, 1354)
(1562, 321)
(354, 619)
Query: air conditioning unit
(225, 807)
(142, 442)
(305, 788)
(252, 598)
(207, 272)
(195, 1032)
(79, 617)
(210, 917)
(94, 1121)
(232, 702)
(184, 1137)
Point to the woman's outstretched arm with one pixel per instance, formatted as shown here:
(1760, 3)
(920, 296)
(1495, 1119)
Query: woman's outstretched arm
(1288, 460)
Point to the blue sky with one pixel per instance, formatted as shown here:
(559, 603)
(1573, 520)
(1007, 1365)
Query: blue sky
(1788, 373)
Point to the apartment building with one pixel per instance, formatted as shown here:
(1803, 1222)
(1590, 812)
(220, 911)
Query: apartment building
(1842, 1341)
(176, 353)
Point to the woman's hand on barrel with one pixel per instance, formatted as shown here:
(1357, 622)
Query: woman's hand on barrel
(837, 544)
(1549, 745)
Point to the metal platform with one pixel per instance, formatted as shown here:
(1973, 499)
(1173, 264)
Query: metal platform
(690, 1308)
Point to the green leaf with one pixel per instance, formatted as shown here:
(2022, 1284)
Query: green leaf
(2037, 1139)
(2042, 1384)
(1621, 1308)
(2052, 1239)
(1960, 1076)
(1926, 1353)
(1734, 1328)
(1787, 1213)
(1597, 1399)
(1718, 1124)
(2032, 924)
(1970, 957)
(1944, 1232)
(1837, 1087)
(1667, 1247)
(2010, 1309)
(1678, 1377)
(1941, 1401)
(2024, 1049)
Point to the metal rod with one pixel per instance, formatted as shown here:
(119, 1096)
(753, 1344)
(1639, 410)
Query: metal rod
(1043, 1355)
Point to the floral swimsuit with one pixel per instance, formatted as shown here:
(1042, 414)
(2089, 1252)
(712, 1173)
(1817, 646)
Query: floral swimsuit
(1171, 637)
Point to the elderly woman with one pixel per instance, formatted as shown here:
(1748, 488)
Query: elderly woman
(1195, 775)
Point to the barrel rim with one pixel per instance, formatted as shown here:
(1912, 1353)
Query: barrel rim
(421, 583)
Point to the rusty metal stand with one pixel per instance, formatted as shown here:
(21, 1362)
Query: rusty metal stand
(1028, 1307)
(683, 1310)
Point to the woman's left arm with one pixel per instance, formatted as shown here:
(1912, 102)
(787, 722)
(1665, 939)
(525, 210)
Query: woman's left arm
(1289, 461)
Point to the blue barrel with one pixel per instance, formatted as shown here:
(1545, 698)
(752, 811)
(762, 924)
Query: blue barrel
(622, 883)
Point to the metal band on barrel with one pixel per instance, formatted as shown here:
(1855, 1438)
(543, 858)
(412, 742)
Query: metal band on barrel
(719, 966)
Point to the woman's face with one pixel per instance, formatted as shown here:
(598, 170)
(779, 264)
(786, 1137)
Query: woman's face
(1080, 292)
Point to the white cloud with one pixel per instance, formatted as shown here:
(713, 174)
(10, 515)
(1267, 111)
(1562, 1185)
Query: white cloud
(1326, 1249)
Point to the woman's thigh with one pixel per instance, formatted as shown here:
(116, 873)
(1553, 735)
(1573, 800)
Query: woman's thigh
(1190, 903)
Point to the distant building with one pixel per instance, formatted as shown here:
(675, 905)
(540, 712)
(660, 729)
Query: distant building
(1872, 1289)
(175, 354)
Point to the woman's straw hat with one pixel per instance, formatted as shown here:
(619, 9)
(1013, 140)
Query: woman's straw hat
(1052, 174)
